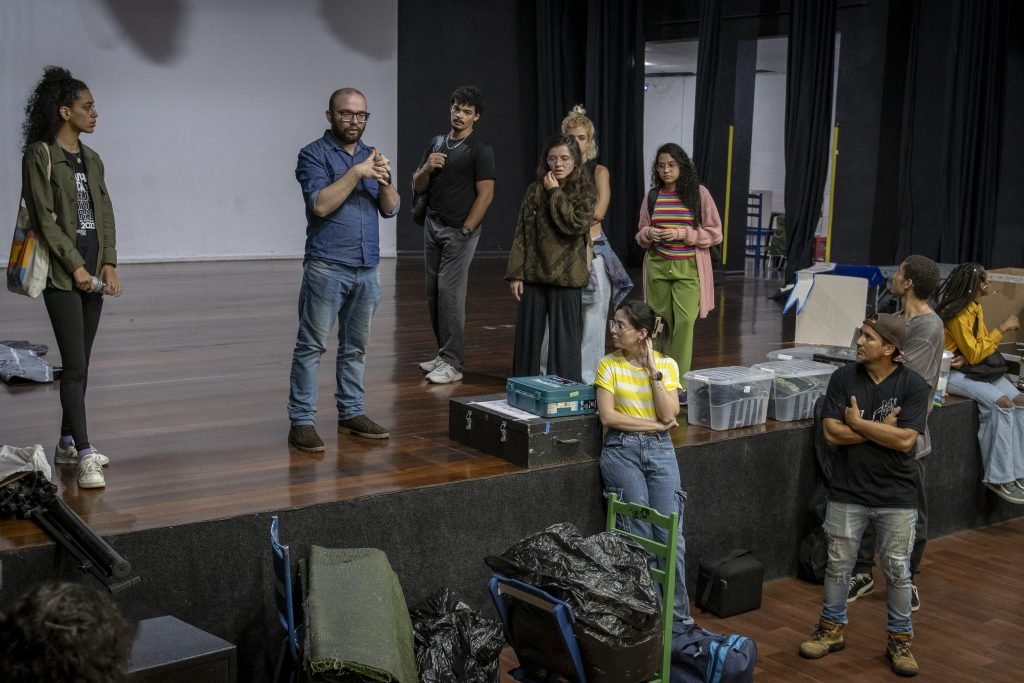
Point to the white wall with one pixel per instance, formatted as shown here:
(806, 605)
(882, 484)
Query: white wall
(203, 107)
(768, 137)
(668, 115)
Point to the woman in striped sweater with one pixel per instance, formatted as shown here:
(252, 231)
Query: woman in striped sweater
(678, 224)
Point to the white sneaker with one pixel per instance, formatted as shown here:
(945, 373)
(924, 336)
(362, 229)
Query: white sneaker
(65, 456)
(69, 456)
(444, 374)
(430, 365)
(90, 473)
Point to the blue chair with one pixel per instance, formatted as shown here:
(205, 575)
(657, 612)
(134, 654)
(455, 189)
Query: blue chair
(666, 577)
(284, 597)
(525, 611)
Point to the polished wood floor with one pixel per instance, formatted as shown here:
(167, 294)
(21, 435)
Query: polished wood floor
(970, 626)
(189, 380)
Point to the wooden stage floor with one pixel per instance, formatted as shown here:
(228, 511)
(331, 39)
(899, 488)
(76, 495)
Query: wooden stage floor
(189, 381)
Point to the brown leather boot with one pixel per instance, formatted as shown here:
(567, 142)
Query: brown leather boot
(899, 655)
(827, 637)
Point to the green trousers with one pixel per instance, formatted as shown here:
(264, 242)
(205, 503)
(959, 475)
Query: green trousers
(673, 291)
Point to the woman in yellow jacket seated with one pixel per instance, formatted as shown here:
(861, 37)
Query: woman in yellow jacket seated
(1000, 405)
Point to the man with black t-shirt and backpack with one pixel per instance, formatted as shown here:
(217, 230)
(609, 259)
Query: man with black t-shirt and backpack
(874, 411)
(456, 177)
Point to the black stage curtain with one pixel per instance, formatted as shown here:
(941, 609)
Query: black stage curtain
(907, 238)
(561, 55)
(591, 52)
(809, 71)
(708, 38)
(966, 183)
(615, 99)
(975, 133)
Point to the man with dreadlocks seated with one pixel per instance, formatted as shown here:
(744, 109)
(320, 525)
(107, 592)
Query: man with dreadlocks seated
(1000, 405)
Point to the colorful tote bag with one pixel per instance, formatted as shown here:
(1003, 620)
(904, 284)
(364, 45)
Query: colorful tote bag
(29, 263)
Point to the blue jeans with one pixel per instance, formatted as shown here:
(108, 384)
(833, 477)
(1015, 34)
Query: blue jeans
(844, 525)
(332, 291)
(1000, 430)
(641, 468)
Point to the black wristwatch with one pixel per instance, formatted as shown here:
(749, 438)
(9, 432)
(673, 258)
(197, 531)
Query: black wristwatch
(658, 376)
(466, 232)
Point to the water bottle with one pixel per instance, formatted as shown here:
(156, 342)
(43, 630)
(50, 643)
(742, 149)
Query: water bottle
(940, 389)
(97, 285)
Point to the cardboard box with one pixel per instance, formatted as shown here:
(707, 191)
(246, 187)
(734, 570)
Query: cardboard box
(834, 309)
(1007, 300)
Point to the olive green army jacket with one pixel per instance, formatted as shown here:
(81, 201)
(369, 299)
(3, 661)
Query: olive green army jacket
(53, 205)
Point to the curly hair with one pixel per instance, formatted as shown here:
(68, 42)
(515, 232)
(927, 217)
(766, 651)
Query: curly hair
(959, 289)
(687, 186)
(57, 88)
(469, 96)
(578, 118)
(579, 183)
(923, 273)
(64, 632)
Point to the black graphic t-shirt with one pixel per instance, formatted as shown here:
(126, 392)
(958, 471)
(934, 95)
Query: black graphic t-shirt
(87, 242)
(868, 473)
(453, 187)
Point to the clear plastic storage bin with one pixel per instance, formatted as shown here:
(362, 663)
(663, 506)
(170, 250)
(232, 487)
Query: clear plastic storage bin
(726, 398)
(796, 385)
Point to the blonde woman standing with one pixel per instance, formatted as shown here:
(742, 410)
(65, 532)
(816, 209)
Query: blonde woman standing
(609, 283)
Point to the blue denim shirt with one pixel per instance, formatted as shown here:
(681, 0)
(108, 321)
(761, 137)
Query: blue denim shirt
(351, 234)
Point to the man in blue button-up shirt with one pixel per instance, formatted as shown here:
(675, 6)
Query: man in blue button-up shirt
(346, 187)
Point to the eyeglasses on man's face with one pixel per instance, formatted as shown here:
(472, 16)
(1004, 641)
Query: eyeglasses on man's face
(350, 116)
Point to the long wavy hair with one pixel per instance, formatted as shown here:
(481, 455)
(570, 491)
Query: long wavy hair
(579, 184)
(688, 185)
(57, 88)
(959, 289)
(578, 118)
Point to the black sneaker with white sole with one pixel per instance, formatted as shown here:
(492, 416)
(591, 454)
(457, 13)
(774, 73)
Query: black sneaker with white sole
(860, 585)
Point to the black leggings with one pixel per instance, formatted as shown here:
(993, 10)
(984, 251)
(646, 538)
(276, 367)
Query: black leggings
(75, 317)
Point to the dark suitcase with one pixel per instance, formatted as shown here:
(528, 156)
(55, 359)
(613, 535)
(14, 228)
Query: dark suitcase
(730, 585)
(527, 442)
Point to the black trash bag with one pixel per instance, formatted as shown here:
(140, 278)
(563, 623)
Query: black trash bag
(604, 578)
(454, 643)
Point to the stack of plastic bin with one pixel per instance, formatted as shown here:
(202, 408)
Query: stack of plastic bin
(797, 384)
(726, 398)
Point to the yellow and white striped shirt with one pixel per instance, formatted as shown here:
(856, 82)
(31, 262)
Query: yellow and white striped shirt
(631, 386)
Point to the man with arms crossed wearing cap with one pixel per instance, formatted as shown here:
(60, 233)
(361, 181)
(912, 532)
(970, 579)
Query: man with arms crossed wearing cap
(873, 480)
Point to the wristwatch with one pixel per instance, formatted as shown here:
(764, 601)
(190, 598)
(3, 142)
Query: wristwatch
(466, 232)
(658, 376)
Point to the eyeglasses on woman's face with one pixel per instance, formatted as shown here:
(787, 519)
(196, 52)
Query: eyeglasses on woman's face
(618, 326)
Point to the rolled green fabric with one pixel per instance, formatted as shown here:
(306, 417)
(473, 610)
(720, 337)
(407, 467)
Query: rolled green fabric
(357, 622)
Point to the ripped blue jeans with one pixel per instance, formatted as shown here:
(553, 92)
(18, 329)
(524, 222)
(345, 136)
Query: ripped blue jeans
(844, 525)
(641, 467)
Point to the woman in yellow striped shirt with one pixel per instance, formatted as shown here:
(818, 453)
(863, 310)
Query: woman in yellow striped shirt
(638, 403)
